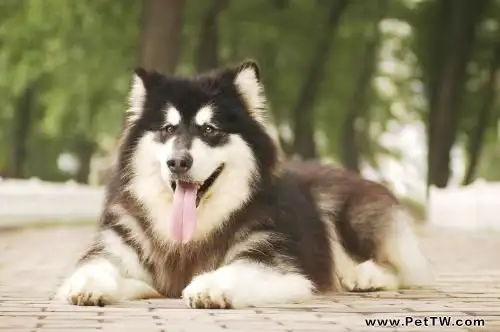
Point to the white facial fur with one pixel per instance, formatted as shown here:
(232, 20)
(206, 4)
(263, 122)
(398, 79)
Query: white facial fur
(151, 183)
(204, 115)
(164, 151)
(173, 116)
(151, 180)
(205, 159)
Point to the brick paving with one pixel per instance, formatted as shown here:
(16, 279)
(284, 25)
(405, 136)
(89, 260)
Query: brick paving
(33, 262)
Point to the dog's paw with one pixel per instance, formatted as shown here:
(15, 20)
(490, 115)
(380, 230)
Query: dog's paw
(92, 284)
(246, 284)
(368, 276)
(206, 291)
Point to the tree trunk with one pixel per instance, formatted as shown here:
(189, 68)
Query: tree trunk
(161, 35)
(84, 149)
(303, 113)
(85, 141)
(349, 148)
(208, 44)
(449, 88)
(349, 145)
(23, 117)
(476, 140)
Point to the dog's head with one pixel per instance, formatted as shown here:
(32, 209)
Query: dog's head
(200, 140)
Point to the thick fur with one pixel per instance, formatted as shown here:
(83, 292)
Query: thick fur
(268, 232)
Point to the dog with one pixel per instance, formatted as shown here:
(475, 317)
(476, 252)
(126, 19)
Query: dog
(200, 205)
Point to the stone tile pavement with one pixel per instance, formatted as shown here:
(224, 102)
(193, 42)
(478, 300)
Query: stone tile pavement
(34, 261)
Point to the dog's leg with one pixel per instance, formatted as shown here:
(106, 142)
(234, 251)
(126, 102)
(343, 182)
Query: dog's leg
(244, 283)
(367, 276)
(99, 282)
(110, 275)
(398, 262)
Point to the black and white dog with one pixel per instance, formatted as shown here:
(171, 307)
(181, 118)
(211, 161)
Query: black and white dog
(201, 206)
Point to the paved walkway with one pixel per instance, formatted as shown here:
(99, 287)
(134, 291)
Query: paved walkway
(33, 263)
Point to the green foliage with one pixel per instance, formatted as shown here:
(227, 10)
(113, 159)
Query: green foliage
(83, 53)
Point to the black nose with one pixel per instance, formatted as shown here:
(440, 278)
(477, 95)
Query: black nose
(180, 164)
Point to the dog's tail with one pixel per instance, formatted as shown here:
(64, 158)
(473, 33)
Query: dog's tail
(403, 252)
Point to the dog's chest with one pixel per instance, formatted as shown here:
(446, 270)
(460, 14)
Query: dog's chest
(173, 270)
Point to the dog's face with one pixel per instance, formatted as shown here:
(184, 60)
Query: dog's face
(203, 136)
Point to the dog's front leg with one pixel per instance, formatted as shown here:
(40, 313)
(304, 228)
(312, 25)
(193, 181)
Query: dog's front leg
(110, 272)
(245, 283)
(99, 282)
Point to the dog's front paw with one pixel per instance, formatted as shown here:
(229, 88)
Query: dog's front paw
(92, 284)
(207, 292)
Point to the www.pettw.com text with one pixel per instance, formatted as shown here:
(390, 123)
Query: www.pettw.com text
(430, 321)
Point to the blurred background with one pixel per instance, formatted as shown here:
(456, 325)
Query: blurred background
(402, 91)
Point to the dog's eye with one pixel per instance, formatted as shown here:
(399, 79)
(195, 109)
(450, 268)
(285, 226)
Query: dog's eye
(168, 129)
(207, 130)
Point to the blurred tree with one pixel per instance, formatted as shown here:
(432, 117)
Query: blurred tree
(334, 88)
(207, 56)
(476, 140)
(349, 140)
(449, 28)
(303, 112)
(23, 119)
(71, 52)
(161, 35)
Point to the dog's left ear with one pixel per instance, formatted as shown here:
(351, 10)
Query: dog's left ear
(142, 81)
(137, 94)
(247, 81)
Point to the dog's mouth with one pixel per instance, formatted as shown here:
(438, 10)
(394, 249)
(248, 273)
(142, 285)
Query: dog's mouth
(201, 189)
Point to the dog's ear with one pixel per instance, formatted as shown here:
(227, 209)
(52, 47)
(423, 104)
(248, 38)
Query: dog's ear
(137, 94)
(142, 81)
(251, 66)
(246, 78)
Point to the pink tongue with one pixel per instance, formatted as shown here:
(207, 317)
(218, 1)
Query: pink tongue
(183, 221)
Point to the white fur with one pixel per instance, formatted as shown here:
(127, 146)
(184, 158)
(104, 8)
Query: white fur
(229, 192)
(204, 115)
(370, 276)
(245, 284)
(129, 263)
(352, 276)
(148, 184)
(409, 267)
(137, 97)
(366, 276)
(344, 266)
(100, 282)
(136, 231)
(251, 89)
(404, 253)
(173, 117)
(163, 153)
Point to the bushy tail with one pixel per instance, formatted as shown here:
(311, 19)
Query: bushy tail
(405, 255)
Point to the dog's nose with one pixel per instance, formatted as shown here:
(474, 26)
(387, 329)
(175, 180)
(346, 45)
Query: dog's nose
(180, 164)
